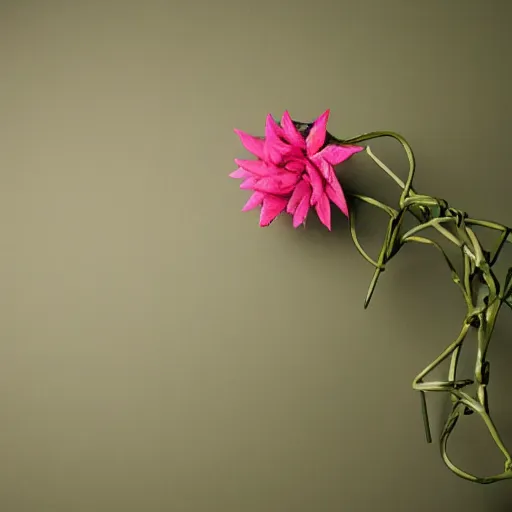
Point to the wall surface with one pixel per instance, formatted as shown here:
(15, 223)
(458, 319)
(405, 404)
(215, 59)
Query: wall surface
(159, 351)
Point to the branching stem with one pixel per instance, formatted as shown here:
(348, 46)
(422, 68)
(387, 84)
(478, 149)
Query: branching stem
(482, 312)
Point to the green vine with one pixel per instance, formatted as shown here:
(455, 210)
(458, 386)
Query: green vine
(481, 290)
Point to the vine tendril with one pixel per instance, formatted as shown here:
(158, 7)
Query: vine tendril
(478, 275)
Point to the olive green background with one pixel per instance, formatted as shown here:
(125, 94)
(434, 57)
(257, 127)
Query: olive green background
(161, 352)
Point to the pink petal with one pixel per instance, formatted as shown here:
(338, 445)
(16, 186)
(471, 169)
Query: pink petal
(336, 187)
(295, 165)
(335, 194)
(301, 211)
(248, 184)
(275, 148)
(316, 137)
(273, 154)
(326, 169)
(301, 190)
(268, 185)
(272, 129)
(254, 145)
(288, 180)
(291, 133)
(255, 200)
(323, 210)
(272, 207)
(240, 173)
(335, 154)
(316, 182)
(256, 167)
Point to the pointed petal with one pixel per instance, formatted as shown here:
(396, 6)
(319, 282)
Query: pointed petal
(336, 195)
(253, 144)
(273, 152)
(272, 207)
(295, 165)
(292, 135)
(255, 200)
(240, 173)
(336, 187)
(335, 154)
(302, 189)
(256, 167)
(248, 184)
(323, 210)
(326, 169)
(276, 149)
(288, 181)
(316, 137)
(268, 185)
(272, 129)
(316, 182)
(301, 212)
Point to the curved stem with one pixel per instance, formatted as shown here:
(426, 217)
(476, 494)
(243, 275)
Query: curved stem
(455, 276)
(408, 150)
(456, 227)
(358, 245)
(385, 168)
(451, 422)
(488, 224)
(374, 202)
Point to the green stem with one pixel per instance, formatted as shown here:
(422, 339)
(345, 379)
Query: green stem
(456, 227)
(385, 168)
(407, 147)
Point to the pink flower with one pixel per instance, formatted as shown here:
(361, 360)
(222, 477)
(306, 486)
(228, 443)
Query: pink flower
(293, 172)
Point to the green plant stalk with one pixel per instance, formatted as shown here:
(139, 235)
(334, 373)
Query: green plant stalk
(481, 314)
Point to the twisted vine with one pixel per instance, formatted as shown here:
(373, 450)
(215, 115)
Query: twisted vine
(481, 290)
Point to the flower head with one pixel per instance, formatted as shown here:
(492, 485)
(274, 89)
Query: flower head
(293, 170)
